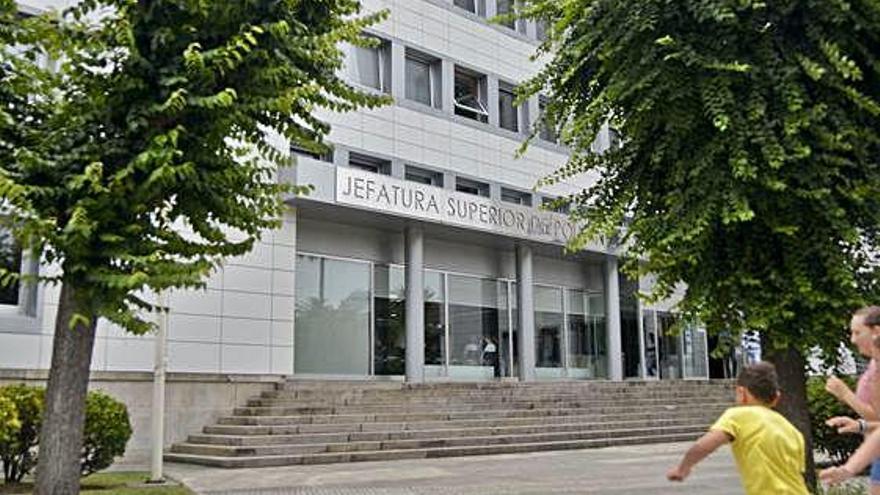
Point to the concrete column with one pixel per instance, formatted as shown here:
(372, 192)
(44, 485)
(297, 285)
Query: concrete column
(525, 305)
(491, 8)
(415, 304)
(531, 113)
(340, 156)
(447, 94)
(398, 71)
(398, 168)
(449, 181)
(612, 317)
(492, 101)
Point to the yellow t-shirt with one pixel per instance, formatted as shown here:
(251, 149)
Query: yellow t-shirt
(769, 451)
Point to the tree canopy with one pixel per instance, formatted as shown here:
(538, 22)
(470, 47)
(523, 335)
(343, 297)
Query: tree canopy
(749, 166)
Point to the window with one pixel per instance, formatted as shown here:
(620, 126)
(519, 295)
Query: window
(10, 260)
(325, 156)
(477, 7)
(423, 78)
(548, 127)
(369, 66)
(516, 197)
(506, 7)
(470, 95)
(474, 187)
(369, 163)
(541, 29)
(424, 176)
(614, 139)
(508, 112)
(548, 204)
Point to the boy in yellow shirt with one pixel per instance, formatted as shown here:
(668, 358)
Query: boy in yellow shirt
(769, 451)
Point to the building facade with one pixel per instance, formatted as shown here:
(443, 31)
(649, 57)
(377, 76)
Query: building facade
(423, 252)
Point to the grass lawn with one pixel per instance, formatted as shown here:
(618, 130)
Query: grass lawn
(119, 483)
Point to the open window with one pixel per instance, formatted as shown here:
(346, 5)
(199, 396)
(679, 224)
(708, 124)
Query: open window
(470, 95)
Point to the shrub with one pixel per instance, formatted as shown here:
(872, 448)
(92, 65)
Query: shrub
(822, 406)
(9, 423)
(18, 452)
(107, 430)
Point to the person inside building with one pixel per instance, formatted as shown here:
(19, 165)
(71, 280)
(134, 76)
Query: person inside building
(865, 401)
(769, 451)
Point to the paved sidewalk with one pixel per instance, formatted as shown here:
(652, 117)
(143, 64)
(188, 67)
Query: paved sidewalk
(615, 470)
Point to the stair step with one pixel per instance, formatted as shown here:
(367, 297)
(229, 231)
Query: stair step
(306, 428)
(277, 416)
(382, 455)
(306, 438)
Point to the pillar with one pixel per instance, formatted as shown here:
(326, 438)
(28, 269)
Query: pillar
(415, 304)
(525, 305)
(612, 313)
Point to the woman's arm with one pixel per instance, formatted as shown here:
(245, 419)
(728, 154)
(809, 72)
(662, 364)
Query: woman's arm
(836, 387)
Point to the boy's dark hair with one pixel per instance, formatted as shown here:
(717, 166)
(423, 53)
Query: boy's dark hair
(760, 380)
(870, 315)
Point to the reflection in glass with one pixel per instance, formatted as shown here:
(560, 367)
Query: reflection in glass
(670, 346)
(10, 259)
(435, 319)
(389, 325)
(474, 323)
(629, 326)
(586, 335)
(548, 327)
(649, 326)
(332, 316)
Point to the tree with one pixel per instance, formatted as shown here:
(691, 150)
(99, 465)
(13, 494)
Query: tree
(153, 162)
(748, 168)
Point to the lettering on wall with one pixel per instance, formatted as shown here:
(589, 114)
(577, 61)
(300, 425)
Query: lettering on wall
(377, 192)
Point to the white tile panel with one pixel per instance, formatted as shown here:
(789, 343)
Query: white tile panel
(246, 331)
(244, 305)
(193, 357)
(247, 279)
(195, 302)
(200, 328)
(282, 360)
(283, 282)
(282, 333)
(134, 354)
(245, 359)
(20, 350)
(283, 307)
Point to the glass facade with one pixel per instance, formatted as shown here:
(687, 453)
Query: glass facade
(548, 327)
(351, 320)
(674, 349)
(587, 336)
(332, 331)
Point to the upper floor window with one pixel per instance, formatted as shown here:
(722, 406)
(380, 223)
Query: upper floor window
(477, 7)
(369, 163)
(516, 197)
(10, 259)
(369, 66)
(423, 78)
(423, 176)
(541, 29)
(614, 139)
(548, 127)
(326, 156)
(474, 187)
(470, 95)
(505, 7)
(548, 203)
(508, 111)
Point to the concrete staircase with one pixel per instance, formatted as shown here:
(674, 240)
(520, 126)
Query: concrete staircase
(304, 422)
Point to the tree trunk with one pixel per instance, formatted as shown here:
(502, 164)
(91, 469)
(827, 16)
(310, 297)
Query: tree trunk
(791, 368)
(61, 435)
